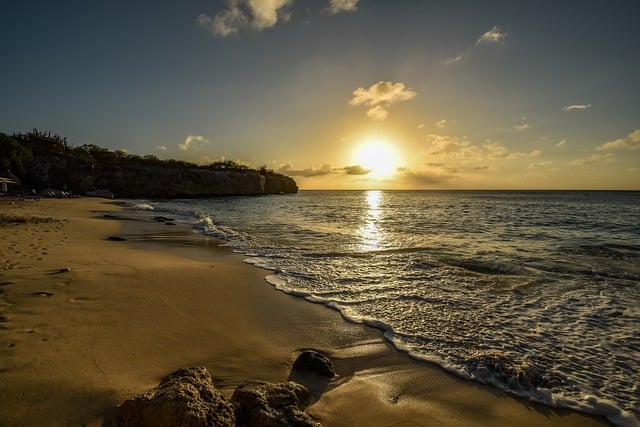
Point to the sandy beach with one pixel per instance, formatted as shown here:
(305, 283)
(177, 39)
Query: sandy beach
(86, 322)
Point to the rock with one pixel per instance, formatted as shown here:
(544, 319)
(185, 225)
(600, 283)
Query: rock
(312, 362)
(116, 239)
(162, 218)
(185, 398)
(264, 404)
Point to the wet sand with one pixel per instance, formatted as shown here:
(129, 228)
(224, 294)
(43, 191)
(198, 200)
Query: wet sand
(86, 322)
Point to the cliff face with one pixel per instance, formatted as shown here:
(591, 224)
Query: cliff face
(134, 180)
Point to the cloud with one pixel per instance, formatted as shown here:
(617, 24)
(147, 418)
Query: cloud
(338, 6)
(287, 169)
(193, 141)
(463, 149)
(630, 142)
(378, 113)
(421, 178)
(161, 147)
(356, 170)
(561, 143)
(380, 96)
(441, 124)
(258, 15)
(576, 107)
(242, 14)
(539, 165)
(523, 126)
(514, 156)
(455, 59)
(493, 36)
(607, 158)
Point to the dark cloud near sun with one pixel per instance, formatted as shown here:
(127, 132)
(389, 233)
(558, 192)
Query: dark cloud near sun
(287, 169)
(356, 170)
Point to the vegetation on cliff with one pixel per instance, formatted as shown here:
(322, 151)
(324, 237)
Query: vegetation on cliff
(43, 160)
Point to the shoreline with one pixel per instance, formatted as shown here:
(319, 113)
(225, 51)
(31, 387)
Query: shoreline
(75, 343)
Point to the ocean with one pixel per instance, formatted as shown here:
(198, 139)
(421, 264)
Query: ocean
(536, 293)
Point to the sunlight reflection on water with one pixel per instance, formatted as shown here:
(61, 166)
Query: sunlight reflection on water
(370, 232)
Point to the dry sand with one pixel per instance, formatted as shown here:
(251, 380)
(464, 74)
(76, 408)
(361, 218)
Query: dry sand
(75, 343)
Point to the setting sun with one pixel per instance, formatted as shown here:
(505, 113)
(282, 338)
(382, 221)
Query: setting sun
(378, 156)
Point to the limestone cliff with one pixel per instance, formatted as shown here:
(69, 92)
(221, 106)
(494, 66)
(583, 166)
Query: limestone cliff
(153, 181)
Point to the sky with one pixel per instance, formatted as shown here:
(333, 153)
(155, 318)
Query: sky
(340, 94)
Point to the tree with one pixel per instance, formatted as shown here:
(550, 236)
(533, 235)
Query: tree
(13, 155)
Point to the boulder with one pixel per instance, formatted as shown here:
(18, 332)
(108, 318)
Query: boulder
(312, 362)
(185, 398)
(264, 404)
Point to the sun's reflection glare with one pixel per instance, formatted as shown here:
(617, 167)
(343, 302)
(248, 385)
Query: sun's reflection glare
(370, 231)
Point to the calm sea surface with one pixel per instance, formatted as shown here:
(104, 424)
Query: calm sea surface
(536, 293)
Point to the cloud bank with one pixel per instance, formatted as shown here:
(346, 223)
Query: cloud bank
(380, 97)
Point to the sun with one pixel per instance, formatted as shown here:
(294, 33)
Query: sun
(377, 156)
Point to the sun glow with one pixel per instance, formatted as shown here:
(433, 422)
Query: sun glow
(377, 156)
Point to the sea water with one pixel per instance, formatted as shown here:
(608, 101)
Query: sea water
(535, 293)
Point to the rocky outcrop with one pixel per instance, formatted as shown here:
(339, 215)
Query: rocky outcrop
(263, 404)
(133, 180)
(188, 398)
(185, 398)
(279, 184)
(312, 362)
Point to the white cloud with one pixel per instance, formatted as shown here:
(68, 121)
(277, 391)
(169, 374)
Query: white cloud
(441, 124)
(514, 156)
(242, 14)
(454, 59)
(380, 96)
(441, 146)
(193, 141)
(576, 107)
(161, 147)
(540, 164)
(523, 126)
(561, 143)
(267, 12)
(607, 158)
(421, 126)
(494, 35)
(337, 6)
(630, 142)
(378, 112)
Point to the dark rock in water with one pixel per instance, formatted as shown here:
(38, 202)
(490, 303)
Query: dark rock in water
(263, 404)
(116, 239)
(185, 398)
(312, 362)
(169, 223)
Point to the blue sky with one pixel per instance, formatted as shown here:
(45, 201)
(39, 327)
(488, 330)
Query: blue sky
(438, 94)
